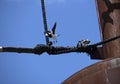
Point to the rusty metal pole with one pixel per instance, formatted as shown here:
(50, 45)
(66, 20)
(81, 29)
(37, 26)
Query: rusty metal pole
(109, 20)
(108, 70)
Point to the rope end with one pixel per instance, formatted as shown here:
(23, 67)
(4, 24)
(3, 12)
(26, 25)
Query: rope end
(1, 49)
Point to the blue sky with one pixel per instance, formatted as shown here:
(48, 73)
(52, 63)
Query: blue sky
(21, 25)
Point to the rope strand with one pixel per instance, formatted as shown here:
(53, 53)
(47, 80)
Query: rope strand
(104, 42)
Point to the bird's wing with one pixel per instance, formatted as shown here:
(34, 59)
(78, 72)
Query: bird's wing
(54, 27)
(44, 21)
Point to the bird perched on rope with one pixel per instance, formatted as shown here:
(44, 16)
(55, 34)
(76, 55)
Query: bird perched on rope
(86, 42)
(83, 43)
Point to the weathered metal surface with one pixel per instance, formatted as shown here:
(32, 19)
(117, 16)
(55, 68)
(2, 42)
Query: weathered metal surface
(107, 71)
(104, 72)
(109, 20)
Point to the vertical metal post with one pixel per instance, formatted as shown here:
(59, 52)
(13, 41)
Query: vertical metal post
(106, 71)
(109, 20)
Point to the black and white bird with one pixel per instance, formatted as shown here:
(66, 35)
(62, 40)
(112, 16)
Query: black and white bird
(51, 34)
(83, 43)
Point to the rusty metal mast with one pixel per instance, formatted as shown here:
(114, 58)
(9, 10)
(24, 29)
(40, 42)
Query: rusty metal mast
(108, 70)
